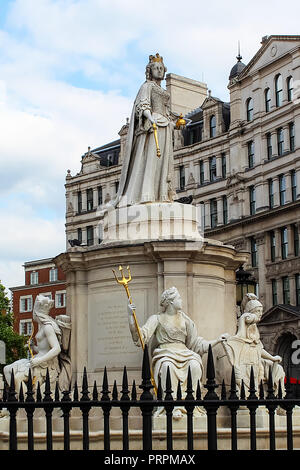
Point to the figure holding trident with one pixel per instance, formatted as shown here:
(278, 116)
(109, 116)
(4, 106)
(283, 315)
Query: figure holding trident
(124, 282)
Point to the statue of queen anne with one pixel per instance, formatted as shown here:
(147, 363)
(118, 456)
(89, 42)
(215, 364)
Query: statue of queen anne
(146, 177)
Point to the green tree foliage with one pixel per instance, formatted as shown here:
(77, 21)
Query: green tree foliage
(15, 343)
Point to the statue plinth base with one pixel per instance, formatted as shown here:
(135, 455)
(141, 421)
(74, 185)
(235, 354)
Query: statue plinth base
(153, 221)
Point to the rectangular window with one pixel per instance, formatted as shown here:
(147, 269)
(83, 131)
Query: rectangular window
(274, 292)
(60, 299)
(280, 141)
(282, 190)
(213, 213)
(25, 327)
(296, 240)
(292, 136)
(26, 303)
(253, 252)
(212, 169)
(79, 201)
(181, 177)
(273, 245)
(90, 235)
(286, 290)
(79, 235)
(223, 165)
(201, 172)
(89, 199)
(297, 281)
(250, 146)
(271, 193)
(100, 196)
(284, 243)
(269, 146)
(294, 185)
(53, 275)
(34, 277)
(252, 200)
(225, 210)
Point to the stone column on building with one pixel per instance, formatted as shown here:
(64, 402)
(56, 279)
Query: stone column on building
(279, 290)
(277, 244)
(206, 170)
(260, 239)
(290, 232)
(292, 283)
(276, 191)
(274, 143)
(220, 220)
(219, 166)
(207, 215)
(286, 139)
(288, 187)
(95, 198)
(84, 199)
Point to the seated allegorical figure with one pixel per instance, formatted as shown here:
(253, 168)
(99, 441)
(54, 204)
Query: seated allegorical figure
(52, 345)
(245, 349)
(176, 343)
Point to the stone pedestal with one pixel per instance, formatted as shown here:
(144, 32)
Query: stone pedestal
(203, 272)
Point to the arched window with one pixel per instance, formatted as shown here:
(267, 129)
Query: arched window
(289, 85)
(249, 107)
(212, 126)
(278, 90)
(267, 99)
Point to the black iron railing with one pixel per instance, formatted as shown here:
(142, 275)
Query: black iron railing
(147, 402)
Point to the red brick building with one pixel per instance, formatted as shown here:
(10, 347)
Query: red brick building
(41, 277)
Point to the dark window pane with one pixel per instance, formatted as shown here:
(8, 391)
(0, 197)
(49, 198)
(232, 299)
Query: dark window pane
(249, 109)
(290, 88)
(267, 99)
(278, 90)
(251, 154)
(212, 126)
(274, 292)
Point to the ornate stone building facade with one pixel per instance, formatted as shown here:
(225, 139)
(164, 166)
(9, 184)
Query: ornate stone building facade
(239, 160)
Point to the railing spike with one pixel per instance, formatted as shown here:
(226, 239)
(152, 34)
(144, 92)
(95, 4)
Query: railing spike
(85, 387)
(115, 391)
(38, 393)
(47, 392)
(133, 391)
(75, 391)
(159, 389)
(189, 388)
(233, 390)
(210, 374)
(168, 391)
(95, 392)
(198, 391)
(270, 385)
(146, 384)
(56, 393)
(179, 393)
(223, 391)
(21, 393)
(243, 393)
(12, 390)
(252, 389)
(261, 391)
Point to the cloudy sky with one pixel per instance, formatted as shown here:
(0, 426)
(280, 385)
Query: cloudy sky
(69, 70)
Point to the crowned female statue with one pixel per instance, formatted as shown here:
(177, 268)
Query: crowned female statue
(146, 176)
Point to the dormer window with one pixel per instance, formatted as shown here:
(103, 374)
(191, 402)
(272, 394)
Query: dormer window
(278, 90)
(249, 107)
(212, 126)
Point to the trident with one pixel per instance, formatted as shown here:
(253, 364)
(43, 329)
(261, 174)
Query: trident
(124, 282)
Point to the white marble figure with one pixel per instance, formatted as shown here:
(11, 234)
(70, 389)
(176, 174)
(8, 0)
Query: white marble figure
(145, 177)
(176, 343)
(52, 344)
(245, 349)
